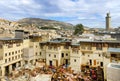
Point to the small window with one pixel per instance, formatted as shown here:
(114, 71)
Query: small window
(66, 54)
(101, 64)
(15, 57)
(12, 58)
(62, 54)
(9, 53)
(40, 53)
(49, 55)
(18, 56)
(16, 52)
(36, 53)
(5, 54)
(54, 56)
(74, 60)
(99, 55)
(83, 54)
(83, 47)
(5, 60)
(12, 52)
(9, 59)
(90, 62)
(88, 55)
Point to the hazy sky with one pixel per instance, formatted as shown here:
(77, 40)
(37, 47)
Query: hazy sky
(88, 12)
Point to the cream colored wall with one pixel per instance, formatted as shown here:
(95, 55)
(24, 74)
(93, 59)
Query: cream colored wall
(36, 50)
(106, 62)
(14, 49)
(75, 65)
(52, 58)
(26, 43)
(92, 53)
(43, 53)
(18, 51)
(28, 54)
(1, 56)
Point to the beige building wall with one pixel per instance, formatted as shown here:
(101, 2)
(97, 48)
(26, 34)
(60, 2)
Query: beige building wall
(42, 56)
(12, 56)
(53, 56)
(75, 59)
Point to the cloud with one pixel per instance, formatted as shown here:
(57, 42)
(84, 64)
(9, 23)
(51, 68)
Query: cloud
(88, 12)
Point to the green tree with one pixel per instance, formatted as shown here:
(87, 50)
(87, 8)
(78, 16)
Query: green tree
(79, 29)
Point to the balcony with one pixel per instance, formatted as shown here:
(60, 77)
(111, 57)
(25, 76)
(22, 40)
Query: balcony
(18, 44)
(10, 45)
(86, 49)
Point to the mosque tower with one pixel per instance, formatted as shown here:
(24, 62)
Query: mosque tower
(108, 22)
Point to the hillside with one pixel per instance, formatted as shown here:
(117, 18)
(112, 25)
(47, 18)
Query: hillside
(37, 22)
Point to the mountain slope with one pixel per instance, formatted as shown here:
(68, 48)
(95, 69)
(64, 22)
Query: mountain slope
(44, 23)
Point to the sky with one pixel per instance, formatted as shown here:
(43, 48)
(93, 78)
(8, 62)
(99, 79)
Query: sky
(90, 13)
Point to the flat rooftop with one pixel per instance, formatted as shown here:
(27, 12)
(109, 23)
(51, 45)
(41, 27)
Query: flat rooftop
(102, 41)
(114, 65)
(10, 39)
(115, 50)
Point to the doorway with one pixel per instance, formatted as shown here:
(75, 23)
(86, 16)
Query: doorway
(66, 61)
(14, 66)
(90, 61)
(50, 63)
(56, 62)
(6, 70)
(101, 64)
(94, 62)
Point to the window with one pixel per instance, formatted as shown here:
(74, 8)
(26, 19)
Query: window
(5, 60)
(15, 57)
(83, 47)
(16, 52)
(66, 47)
(9, 53)
(62, 54)
(99, 55)
(18, 56)
(90, 62)
(49, 47)
(89, 48)
(36, 46)
(40, 53)
(83, 54)
(12, 53)
(66, 54)
(19, 51)
(54, 56)
(88, 55)
(36, 53)
(113, 55)
(9, 59)
(5, 54)
(74, 60)
(49, 55)
(41, 47)
(101, 64)
(12, 58)
(98, 46)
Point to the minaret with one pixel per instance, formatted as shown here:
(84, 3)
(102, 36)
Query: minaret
(108, 22)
